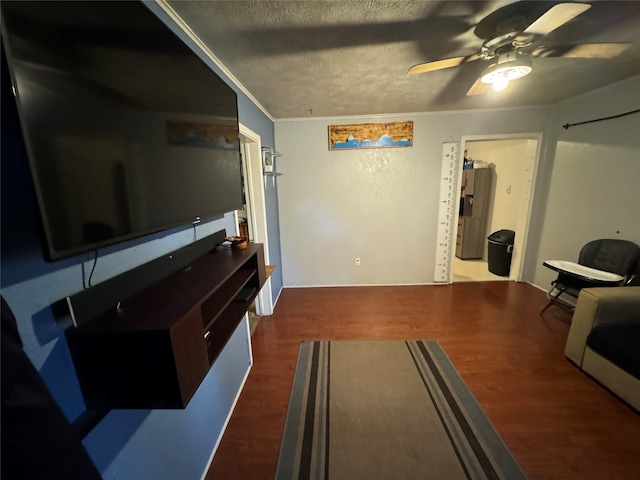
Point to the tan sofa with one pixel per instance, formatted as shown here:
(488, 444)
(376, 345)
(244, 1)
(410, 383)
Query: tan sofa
(604, 339)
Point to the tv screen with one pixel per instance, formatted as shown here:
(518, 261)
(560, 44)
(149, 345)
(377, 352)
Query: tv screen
(128, 132)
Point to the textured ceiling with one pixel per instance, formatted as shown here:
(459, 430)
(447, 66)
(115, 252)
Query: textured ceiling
(335, 58)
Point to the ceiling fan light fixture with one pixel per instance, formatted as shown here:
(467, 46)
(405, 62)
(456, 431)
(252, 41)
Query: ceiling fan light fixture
(509, 67)
(500, 82)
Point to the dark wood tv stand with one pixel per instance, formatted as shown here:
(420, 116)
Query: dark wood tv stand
(153, 349)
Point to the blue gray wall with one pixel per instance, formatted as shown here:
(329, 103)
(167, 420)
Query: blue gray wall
(126, 444)
(255, 119)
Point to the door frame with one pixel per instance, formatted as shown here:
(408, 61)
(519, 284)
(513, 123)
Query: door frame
(251, 147)
(520, 245)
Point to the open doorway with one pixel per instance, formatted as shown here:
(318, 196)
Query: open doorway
(253, 217)
(508, 163)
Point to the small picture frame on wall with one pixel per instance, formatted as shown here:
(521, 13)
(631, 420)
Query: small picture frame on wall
(268, 164)
(269, 159)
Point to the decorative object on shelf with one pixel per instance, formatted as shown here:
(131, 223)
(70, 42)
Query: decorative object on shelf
(269, 161)
(371, 135)
(238, 243)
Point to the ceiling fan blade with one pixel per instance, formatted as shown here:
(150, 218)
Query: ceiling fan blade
(478, 88)
(555, 17)
(585, 50)
(441, 64)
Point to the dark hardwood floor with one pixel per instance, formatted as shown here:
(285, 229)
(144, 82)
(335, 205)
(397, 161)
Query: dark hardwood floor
(558, 422)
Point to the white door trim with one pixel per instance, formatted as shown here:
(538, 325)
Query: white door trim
(517, 268)
(256, 206)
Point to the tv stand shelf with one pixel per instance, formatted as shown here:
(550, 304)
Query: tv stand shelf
(155, 348)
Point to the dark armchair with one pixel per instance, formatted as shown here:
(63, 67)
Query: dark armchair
(601, 263)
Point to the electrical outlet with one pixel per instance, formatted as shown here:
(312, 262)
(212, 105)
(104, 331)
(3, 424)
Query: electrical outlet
(357, 262)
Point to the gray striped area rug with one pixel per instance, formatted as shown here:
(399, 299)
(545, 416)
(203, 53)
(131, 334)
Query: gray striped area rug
(386, 410)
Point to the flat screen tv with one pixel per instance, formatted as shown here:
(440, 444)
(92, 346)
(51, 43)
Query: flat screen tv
(128, 132)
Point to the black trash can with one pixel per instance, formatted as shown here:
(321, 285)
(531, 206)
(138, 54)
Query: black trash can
(500, 250)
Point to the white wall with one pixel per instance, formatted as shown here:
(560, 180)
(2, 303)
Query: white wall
(381, 204)
(595, 182)
(377, 204)
(512, 162)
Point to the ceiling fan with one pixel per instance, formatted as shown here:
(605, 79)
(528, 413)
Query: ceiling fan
(512, 41)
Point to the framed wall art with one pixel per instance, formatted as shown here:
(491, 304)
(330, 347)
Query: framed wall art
(370, 135)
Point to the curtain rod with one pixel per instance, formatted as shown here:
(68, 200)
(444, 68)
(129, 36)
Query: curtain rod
(567, 125)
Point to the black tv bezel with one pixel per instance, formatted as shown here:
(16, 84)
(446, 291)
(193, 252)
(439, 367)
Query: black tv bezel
(51, 254)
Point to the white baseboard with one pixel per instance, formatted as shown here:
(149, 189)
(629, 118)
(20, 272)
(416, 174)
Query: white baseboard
(364, 285)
